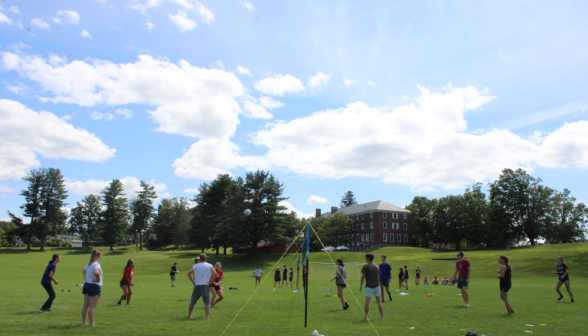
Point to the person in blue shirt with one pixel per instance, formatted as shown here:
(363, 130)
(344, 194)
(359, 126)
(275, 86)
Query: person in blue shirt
(385, 276)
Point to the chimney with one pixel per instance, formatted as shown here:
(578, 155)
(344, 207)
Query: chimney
(333, 210)
(318, 213)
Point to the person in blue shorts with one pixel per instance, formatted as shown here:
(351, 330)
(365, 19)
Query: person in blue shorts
(385, 276)
(563, 278)
(370, 273)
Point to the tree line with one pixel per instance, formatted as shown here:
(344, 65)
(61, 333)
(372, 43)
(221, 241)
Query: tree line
(516, 207)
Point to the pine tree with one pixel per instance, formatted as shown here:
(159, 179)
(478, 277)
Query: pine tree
(32, 206)
(143, 210)
(113, 218)
(84, 218)
(348, 199)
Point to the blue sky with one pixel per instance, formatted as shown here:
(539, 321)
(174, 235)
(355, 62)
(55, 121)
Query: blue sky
(389, 99)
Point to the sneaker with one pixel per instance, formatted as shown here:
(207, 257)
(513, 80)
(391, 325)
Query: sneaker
(48, 310)
(42, 311)
(173, 286)
(572, 300)
(390, 297)
(467, 305)
(128, 304)
(561, 297)
(119, 304)
(346, 306)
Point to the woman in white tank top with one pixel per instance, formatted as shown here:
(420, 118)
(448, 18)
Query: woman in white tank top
(92, 287)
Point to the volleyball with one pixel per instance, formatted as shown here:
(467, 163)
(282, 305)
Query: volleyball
(247, 212)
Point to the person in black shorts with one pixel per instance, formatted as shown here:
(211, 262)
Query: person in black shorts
(417, 276)
(563, 278)
(291, 276)
(277, 277)
(401, 278)
(285, 276)
(173, 272)
(341, 281)
(505, 281)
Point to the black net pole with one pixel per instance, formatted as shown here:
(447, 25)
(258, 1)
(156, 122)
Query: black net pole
(307, 277)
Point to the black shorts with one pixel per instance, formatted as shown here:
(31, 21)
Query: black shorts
(291, 279)
(505, 289)
(278, 279)
(216, 288)
(342, 285)
(285, 277)
(124, 283)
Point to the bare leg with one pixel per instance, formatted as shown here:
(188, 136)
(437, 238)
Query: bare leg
(380, 307)
(212, 297)
(569, 290)
(85, 310)
(93, 301)
(220, 296)
(466, 297)
(125, 289)
(504, 297)
(340, 293)
(190, 309)
(207, 312)
(366, 308)
(557, 287)
(129, 295)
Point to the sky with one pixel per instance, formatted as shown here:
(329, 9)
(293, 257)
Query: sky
(388, 99)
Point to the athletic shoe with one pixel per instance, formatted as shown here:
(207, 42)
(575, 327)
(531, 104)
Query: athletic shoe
(561, 297)
(468, 305)
(48, 310)
(512, 311)
(128, 304)
(346, 306)
(173, 286)
(42, 311)
(390, 297)
(119, 304)
(572, 300)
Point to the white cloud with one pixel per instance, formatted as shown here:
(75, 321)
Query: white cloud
(565, 146)
(192, 191)
(257, 108)
(191, 5)
(348, 82)
(40, 23)
(19, 89)
(24, 134)
(218, 64)
(84, 33)
(248, 5)
(204, 12)
(149, 26)
(370, 83)
(319, 80)
(279, 85)
(243, 71)
(186, 99)
(13, 9)
(66, 16)
(99, 116)
(131, 185)
(127, 113)
(181, 20)
(6, 189)
(291, 208)
(313, 199)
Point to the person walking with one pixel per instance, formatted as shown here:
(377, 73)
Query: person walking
(277, 278)
(563, 278)
(173, 272)
(215, 287)
(417, 276)
(385, 276)
(400, 278)
(92, 289)
(406, 276)
(257, 272)
(370, 273)
(464, 268)
(341, 282)
(505, 281)
(201, 275)
(48, 276)
(126, 282)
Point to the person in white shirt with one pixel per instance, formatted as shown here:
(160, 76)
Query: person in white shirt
(257, 272)
(92, 287)
(201, 275)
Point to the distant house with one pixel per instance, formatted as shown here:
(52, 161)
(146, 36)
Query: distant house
(376, 224)
(270, 247)
(75, 240)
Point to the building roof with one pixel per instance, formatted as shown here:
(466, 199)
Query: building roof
(374, 206)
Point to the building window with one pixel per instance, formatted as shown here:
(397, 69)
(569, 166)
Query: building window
(371, 215)
(361, 216)
(406, 238)
(357, 238)
(397, 228)
(405, 216)
(399, 238)
(372, 237)
(356, 217)
(385, 225)
(371, 225)
(352, 241)
(391, 237)
(405, 226)
(385, 237)
(362, 226)
(395, 215)
(385, 214)
(356, 227)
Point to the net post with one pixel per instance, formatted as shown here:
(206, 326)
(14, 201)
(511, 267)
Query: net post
(307, 277)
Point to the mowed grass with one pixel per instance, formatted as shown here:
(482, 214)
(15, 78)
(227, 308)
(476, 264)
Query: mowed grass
(159, 309)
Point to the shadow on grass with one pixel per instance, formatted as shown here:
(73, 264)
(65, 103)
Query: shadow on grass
(26, 313)
(65, 327)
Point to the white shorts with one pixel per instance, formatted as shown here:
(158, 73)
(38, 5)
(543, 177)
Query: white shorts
(369, 292)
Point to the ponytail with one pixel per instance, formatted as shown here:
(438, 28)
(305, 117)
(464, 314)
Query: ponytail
(55, 256)
(129, 262)
(94, 257)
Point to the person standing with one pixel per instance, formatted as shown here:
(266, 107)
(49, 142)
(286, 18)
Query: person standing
(291, 276)
(277, 277)
(172, 273)
(92, 289)
(385, 276)
(201, 275)
(505, 281)
(463, 267)
(400, 278)
(304, 276)
(257, 272)
(215, 287)
(48, 276)
(563, 278)
(126, 282)
(341, 282)
(285, 276)
(417, 276)
(406, 276)
(371, 274)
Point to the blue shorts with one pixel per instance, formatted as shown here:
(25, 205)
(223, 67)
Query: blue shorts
(462, 282)
(369, 292)
(91, 289)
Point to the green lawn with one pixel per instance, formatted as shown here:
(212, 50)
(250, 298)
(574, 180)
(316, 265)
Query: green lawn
(159, 309)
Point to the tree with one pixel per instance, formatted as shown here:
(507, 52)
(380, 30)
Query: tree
(476, 215)
(8, 232)
(32, 207)
(422, 220)
(333, 230)
(113, 218)
(163, 222)
(143, 210)
(53, 195)
(181, 220)
(348, 199)
(84, 218)
(449, 221)
(567, 219)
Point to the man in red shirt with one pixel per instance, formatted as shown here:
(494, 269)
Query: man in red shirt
(465, 271)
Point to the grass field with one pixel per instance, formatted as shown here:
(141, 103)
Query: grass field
(159, 309)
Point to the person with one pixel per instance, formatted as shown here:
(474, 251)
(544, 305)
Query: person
(505, 281)
(304, 276)
(426, 281)
(257, 272)
(215, 287)
(201, 275)
(400, 278)
(435, 281)
(172, 273)
(285, 276)
(444, 281)
(48, 276)
(341, 282)
(455, 281)
(406, 276)
(291, 276)
(370, 273)
(277, 278)
(464, 268)
(417, 276)
(127, 282)
(563, 278)
(92, 289)
(385, 276)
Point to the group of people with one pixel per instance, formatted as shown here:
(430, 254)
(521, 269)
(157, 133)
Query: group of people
(207, 280)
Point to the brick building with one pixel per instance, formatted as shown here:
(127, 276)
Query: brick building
(376, 224)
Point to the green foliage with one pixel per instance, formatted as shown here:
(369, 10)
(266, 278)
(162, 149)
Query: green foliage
(348, 199)
(566, 223)
(8, 232)
(142, 210)
(84, 218)
(113, 218)
(332, 230)
(422, 220)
